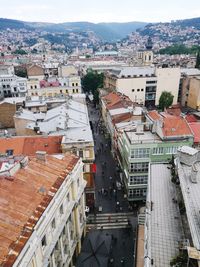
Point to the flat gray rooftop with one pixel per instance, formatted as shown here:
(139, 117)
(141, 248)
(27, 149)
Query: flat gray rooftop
(142, 137)
(163, 225)
(191, 196)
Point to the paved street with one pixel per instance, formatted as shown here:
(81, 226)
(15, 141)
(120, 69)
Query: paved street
(112, 214)
(108, 196)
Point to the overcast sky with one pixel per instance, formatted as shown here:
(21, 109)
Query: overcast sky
(99, 10)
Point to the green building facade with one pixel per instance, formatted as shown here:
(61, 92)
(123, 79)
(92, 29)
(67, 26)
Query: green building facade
(136, 150)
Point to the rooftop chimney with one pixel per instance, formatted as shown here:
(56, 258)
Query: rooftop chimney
(41, 155)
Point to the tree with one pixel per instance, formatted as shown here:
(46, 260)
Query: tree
(198, 61)
(166, 99)
(92, 81)
(20, 52)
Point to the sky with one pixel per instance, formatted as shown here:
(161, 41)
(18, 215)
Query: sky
(99, 10)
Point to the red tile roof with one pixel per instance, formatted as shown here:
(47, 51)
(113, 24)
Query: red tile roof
(195, 127)
(171, 125)
(116, 100)
(122, 117)
(22, 203)
(154, 115)
(191, 118)
(175, 126)
(29, 145)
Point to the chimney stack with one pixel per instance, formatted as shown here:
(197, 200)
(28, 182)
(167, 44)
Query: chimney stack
(41, 155)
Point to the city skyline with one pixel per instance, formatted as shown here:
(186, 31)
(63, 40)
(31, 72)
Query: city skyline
(92, 11)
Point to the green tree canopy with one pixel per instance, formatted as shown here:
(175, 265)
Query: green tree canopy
(166, 99)
(20, 52)
(178, 49)
(92, 81)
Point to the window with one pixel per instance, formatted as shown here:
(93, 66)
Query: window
(77, 90)
(137, 193)
(66, 91)
(44, 241)
(9, 152)
(53, 224)
(142, 89)
(138, 90)
(138, 179)
(171, 150)
(71, 234)
(158, 150)
(31, 87)
(139, 167)
(72, 84)
(133, 90)
(64, 84)
(61, 91)
(76, 84)
(140, 153)
(35, 86)
(68, 197)
(61, 209)
(66, 249)
(81, 153)
(73, 90)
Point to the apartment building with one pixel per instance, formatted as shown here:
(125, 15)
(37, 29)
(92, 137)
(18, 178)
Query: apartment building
(12, 85)
(155, 141)
(54, 87)
(144, 85)
(43, 210)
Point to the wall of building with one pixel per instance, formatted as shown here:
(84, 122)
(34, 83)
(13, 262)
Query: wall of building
(134, 88)
(185, 90)
(167, 80)
(65, 71)
(20, 127)
(86, 152)
(54, 91)
(7, 111)
(194, 93)
(35, 72)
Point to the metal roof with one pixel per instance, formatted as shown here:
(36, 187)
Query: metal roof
(163, 225)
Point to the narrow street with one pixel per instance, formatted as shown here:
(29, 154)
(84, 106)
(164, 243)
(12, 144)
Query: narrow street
(109, 197)
(112, 215)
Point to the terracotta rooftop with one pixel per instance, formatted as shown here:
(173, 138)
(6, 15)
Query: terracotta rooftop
(116, 100)
(190, 118)
(22, 202)
(175, 126)
(29, 145)
(195, 127)
(171, 125)
(122, 117)
(154, 115)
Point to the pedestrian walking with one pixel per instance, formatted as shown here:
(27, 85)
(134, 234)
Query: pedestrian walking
(102, 191)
